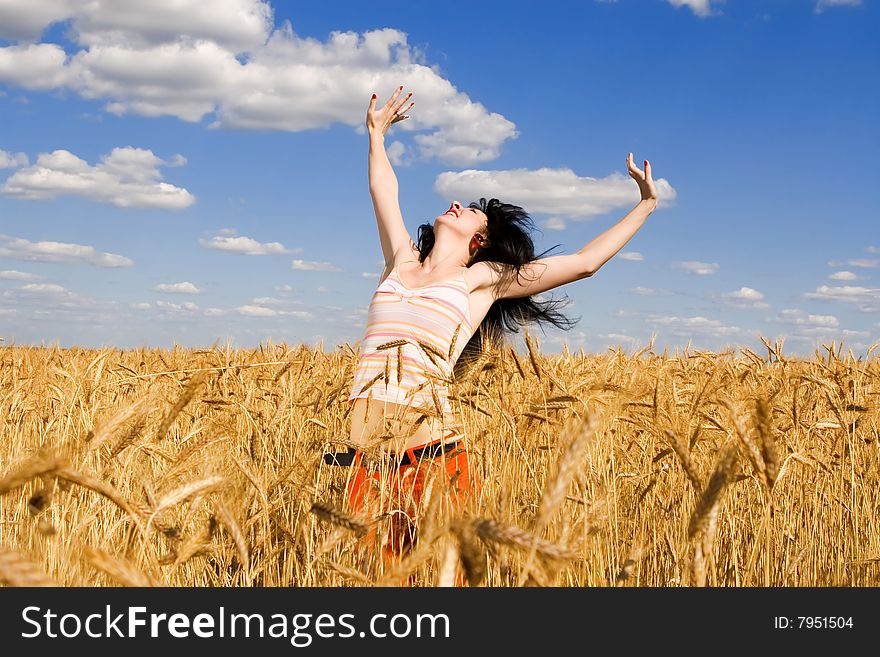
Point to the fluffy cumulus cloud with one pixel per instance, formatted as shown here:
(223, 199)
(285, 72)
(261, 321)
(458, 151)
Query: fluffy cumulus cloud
(696, 267)
(228, 240)
(843, 276)
(560, 193)
(850, 293)
(808, 327)
(12, 160)
(178, 288)
(126, 177)
(44, 288)
(689, 326)
(256, 310)
(13, 275)
(169, 308)
(309, 265)
(798, 317)
(18, 248)
(191, 59)
(701, 8)
(745, 297)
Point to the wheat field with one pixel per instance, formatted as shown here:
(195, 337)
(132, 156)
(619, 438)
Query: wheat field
(203, 467)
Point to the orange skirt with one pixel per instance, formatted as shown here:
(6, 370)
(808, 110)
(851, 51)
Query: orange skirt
(404, 492)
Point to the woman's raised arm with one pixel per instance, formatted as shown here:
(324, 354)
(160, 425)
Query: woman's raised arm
(547, 273)
(383, 183)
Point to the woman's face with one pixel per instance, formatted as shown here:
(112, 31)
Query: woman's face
(466, 221)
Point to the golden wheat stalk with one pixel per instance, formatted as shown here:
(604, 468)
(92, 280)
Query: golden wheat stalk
(336, 517)
(519, 367)
(195, 382)
(754, 454)
(711, 497)
(131, 435)
(472, 555)
(533, 356)
(348, 572)
(555, 489)
(228, 520)
(684, 456)
(391, 344)
(105, 429)
(37, 466)
(452, 342)
(102, 488)
(766, 442)
(119, 570)
(17, 570)
(190, 490)
(495, 532)
(449, 565)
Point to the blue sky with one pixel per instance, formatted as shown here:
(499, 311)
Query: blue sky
(188, 172)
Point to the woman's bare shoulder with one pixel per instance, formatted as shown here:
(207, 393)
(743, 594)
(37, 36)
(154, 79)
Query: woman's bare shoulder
(484, 275)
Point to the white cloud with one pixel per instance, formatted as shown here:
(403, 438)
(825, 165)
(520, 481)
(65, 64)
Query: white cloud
(186, 307)
(873, 249)
(22, 249)
(284, 288)
(12, 275)
(701, 8)
(684, 326)
(44, 288)
(12, 160)
(696, 267)
(797, 317)
(843, 276)
(257, 311)
(127, 178)
(140, 306)
(307, 265)
(822, 5)
(398, 153)
(178, 288)
(855, 262)
(745, 297)
(554, 223)
(369, 274)
(214, 312)
(189, 59)
(558, 192)
(619, 337)
(268, 301)
(631, 255)
(244, 245)
(650, 291)
(845, 293)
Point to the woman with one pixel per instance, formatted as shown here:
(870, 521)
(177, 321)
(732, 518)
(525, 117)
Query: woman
(472, 274)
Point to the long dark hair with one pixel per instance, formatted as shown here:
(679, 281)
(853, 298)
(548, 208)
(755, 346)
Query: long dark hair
(510, 243)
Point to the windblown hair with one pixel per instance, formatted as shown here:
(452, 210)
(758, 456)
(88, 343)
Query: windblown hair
(509, 243)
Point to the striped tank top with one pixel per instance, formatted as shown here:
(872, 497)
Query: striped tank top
(413, 338)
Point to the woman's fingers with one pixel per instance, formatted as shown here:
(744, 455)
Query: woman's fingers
(647, 169)
(397, 109)
(394, 96)
(631, 165)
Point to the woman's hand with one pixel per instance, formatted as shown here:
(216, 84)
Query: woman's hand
(379, 120)
(643, 178)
